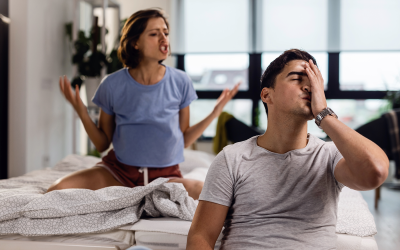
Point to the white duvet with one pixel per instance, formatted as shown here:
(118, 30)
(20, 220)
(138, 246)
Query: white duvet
(26, 210)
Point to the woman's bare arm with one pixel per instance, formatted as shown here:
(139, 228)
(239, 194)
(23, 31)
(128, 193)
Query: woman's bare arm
(100, 135)
(191, 134)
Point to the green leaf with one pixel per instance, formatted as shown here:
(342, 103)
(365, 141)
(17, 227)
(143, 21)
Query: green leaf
(68, 30)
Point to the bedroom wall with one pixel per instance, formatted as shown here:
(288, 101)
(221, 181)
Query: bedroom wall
(40, 120)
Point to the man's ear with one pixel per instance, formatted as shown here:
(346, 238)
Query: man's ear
(266, 95)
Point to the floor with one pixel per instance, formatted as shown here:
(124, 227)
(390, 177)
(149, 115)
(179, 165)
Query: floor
(387, 217)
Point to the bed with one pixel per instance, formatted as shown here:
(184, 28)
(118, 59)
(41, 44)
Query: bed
(355, 228)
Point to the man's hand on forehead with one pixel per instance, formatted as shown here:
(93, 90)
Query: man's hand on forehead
(318, 100)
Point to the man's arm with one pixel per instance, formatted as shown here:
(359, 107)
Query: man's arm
(364, 165)
(206, 225)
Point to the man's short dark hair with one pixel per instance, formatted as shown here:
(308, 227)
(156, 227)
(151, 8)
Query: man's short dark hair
(268, 79)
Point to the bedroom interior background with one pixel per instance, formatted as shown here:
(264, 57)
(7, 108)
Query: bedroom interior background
(42, 121)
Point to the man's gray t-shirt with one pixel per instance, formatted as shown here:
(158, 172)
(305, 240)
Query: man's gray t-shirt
(276, 201)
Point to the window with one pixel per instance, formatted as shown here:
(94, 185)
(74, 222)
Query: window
(216, 26)
(370, 25)
(290, 24)
(217, 71)
(355, 113)
(224, 41)
(370, 71)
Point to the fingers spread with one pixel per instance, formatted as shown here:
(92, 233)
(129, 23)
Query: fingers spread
(61, 84)
(310, 74)
(66, 80)
(316, 70)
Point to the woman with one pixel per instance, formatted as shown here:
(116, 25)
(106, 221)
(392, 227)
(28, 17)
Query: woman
(144, 112)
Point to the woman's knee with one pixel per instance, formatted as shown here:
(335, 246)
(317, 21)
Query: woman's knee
(58, 185)
(193, 187)
(93, 178)
(70, 181)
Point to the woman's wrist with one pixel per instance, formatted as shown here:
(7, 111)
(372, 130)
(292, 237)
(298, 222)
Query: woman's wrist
(82, 113)
(214, 114)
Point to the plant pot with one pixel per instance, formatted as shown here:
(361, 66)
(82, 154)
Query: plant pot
(91, 83)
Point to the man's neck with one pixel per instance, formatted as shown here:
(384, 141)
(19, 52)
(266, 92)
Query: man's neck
(284, 134)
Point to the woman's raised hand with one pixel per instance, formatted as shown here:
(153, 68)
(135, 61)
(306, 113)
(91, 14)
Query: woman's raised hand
(224, 98)
(74, 99)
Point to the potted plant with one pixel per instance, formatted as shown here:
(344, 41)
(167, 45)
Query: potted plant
(90, 60)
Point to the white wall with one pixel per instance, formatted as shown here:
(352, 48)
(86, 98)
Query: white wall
(40, 120)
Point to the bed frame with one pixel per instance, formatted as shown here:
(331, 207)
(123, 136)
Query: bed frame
(37, 245)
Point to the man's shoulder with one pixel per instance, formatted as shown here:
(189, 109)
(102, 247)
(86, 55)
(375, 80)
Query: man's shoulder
(326, 144)
(241, 147)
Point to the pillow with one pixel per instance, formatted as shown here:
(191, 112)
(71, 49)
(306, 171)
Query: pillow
(353, 216)
(195, 159)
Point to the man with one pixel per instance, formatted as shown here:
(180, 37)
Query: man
(280, 190)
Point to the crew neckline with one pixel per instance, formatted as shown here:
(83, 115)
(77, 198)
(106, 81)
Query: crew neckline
(305, 150)
(148, 86)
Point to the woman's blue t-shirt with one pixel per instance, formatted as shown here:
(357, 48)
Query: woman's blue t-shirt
(147, 132)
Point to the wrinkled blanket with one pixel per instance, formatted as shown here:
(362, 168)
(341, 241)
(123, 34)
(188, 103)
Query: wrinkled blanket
(26, 209)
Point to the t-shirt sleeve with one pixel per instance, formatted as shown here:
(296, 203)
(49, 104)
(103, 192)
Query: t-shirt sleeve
(218, 187)
(336, 157)
(189, 94)
(103, 97)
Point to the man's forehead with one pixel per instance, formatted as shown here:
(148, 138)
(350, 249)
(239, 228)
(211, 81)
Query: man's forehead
(295, 64)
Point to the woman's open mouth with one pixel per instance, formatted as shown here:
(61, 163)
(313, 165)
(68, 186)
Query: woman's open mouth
(164, 49)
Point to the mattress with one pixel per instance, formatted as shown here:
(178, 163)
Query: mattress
(171, 233)
(350, 242)
(154, 233)
(122, 239)
(165, 241)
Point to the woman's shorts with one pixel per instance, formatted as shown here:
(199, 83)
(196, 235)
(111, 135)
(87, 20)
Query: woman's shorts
(130, 175)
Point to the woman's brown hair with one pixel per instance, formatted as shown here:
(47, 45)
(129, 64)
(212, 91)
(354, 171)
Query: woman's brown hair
(133, 28)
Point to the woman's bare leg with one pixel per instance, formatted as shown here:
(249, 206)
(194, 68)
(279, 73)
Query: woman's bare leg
(193, 187)
(93, 178)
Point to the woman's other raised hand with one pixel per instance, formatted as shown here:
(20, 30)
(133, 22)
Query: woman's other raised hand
(224, 98)
(73, 98)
